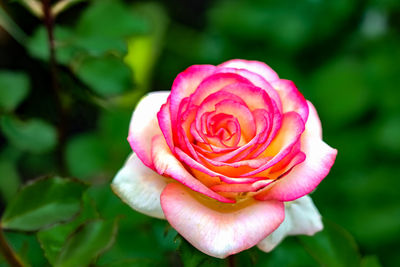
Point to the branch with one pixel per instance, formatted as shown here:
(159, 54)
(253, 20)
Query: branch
(49, 23)
(9, 255)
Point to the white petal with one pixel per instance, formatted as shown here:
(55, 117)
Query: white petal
(301, 218)
(144, 124)
(140, 187)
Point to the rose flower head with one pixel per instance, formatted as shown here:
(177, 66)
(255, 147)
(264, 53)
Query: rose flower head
(227, 157)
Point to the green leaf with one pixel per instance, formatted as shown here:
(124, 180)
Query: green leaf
(370, 261)
(86, 155)
(87, 243)
(279, 255)
(65, 50)
(14, 87)
(165, 235)
(9, 179)
(97, 46)
(132, 263)
(107, 76)
(144, 50)
(333, 247)
(53, 239)
(34, 135)
(110, 19)
(42, 203)
(11, 153)
(136, 238)
(27, 247)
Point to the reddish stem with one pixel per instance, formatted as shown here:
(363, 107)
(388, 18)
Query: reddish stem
(9, 255)
(56, 91)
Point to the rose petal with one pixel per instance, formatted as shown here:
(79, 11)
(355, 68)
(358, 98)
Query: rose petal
(164, 121)
(292, 99)
(253, 187)
(258, 81)
(215, 83)
(301, 218)
(140, 187)
(144, 125)
(185, 137)
(166, 164)
(307, 175)
(193, 164)
(254, 97)
(234, 169)
(263, 130)
(281, 146)
(217, 229)
(254, 66)
(241, 113)
(207, 107)
(184, 85)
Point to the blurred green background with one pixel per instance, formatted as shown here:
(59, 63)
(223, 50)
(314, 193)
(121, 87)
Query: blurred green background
(69, 115)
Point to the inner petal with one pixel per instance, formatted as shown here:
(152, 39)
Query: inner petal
(241, 113)
(225, 127)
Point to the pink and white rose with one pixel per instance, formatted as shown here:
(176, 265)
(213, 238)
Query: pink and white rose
(228, 157)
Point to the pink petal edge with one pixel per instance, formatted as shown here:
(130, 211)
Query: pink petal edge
(217, 229)
(254, 66)
(307, 175)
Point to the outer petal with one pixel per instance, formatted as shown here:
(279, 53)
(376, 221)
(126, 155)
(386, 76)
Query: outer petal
(217, 229)
(292, 99)
(307, 175)
(254, 66)
(301, 218)
(144, 125)
(140, 187)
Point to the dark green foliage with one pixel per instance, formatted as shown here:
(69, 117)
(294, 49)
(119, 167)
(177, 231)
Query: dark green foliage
(53, 239)
(42, 203)
(33, 135)
(83, 246)
(332, 247)
(14, 87)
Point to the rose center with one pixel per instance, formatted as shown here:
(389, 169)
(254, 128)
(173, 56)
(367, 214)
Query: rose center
(225, 127)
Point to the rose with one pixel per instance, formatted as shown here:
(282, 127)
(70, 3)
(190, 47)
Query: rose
(227, 157)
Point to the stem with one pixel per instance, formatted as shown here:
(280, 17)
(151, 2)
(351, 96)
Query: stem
(11, 27)
(231, 261)
(49, 23)
(9, 255)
